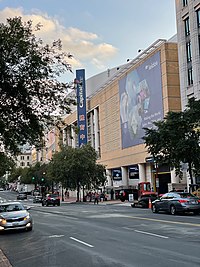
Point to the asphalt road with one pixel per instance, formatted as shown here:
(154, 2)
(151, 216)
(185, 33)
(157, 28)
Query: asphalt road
(87, 235)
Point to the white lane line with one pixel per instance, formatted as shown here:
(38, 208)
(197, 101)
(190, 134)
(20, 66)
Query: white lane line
(52, 236)
(146, 233)
(77, 240)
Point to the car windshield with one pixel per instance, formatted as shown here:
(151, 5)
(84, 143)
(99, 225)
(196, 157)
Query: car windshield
(11, 207)
(53, 195)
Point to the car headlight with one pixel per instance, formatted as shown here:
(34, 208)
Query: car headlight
(3, 221)
(27, 217)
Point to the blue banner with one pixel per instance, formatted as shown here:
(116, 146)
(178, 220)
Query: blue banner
(141, 102)
(81, 107)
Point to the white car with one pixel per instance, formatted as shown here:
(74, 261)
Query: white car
(14, 216)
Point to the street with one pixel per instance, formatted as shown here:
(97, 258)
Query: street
(83, 234)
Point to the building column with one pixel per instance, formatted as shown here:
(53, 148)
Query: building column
(124, 176)
(96, 129)
(174, 177)
(142, 173)
(92, 128)
(109, 181)
(64, 136)
(73, 137)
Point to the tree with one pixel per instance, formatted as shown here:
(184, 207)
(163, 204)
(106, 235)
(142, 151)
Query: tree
(176, 139)
(30, 90)
(76, 168)
(6, 163)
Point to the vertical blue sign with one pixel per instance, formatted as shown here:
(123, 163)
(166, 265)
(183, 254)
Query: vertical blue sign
(81, 107)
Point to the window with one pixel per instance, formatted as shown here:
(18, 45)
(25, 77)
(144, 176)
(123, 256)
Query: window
(27, 157)
(185, 2)
(198, 18)
(187, 26)
(188, 51)
(190, 76)
(28, 163)
(22, 164)
(22, 157)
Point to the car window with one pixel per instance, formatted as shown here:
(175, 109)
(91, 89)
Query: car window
(186, 195)
(164, 196)
(11, 207)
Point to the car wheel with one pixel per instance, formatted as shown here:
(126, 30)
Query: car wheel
(172, 210)
(154, 209)
(133, 205)
(196, 212)
(29, 229)
(58, 204)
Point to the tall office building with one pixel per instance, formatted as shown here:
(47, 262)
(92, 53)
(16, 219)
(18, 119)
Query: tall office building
(188, 35)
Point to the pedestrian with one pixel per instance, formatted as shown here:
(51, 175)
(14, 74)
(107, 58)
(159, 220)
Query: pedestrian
(96, 198)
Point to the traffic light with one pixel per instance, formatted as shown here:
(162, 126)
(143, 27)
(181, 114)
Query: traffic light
(33, 179)
(42, 179)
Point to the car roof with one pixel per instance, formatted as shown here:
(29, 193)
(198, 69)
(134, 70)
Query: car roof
(11, 202)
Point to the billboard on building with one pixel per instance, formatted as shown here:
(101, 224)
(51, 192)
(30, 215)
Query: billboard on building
(140, 94)
(81, 107)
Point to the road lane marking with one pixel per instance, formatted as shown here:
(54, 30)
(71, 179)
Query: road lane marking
(147, 233)
(163, 221)
(52, 236)
(77, 240)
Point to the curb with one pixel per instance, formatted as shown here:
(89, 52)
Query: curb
(4, 262)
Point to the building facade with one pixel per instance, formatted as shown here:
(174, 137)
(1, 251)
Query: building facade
(135, 95)
(188, 36)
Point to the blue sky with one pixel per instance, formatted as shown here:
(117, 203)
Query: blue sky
(101, 34)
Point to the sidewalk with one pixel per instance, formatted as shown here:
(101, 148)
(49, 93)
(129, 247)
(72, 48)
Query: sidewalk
(4, 262)
(107, 202)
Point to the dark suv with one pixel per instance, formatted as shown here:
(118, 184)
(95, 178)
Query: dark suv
(51, 199)
(21, 196)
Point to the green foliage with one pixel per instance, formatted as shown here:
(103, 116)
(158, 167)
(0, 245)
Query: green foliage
(75, 167)
(176, 138)
(30, 89)
(6, 164)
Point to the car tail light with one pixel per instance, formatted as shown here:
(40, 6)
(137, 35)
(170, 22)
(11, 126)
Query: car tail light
(183, 201)
(49, 198)
(199, 200)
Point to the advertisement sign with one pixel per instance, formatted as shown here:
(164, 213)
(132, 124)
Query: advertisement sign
(140, 93)
(81, 107)
(133, 172)
(117, 174)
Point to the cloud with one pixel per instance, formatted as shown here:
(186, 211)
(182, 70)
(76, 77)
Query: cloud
(85, 46)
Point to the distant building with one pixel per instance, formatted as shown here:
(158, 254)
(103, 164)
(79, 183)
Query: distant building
(188, 35)
(24, 159)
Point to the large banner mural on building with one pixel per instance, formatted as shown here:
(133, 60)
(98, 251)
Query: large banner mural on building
(140, 94)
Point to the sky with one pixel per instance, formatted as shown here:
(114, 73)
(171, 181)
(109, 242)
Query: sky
(100, 34)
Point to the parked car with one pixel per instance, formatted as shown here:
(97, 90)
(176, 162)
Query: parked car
(1, 189)
(143, 202)
(14, 216)
(175, 202)
(37, 199)
(21, 196)
(51, 199)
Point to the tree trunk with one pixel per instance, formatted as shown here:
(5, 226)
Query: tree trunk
(78, 191)
(190, 172)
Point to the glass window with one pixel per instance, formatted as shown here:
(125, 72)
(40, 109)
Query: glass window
(187, 26)
(198, 18)
(189, 51)
(185, 2)
(190, 76)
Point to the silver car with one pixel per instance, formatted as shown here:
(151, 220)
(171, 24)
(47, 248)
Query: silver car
(175, 202)
(14, 216)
